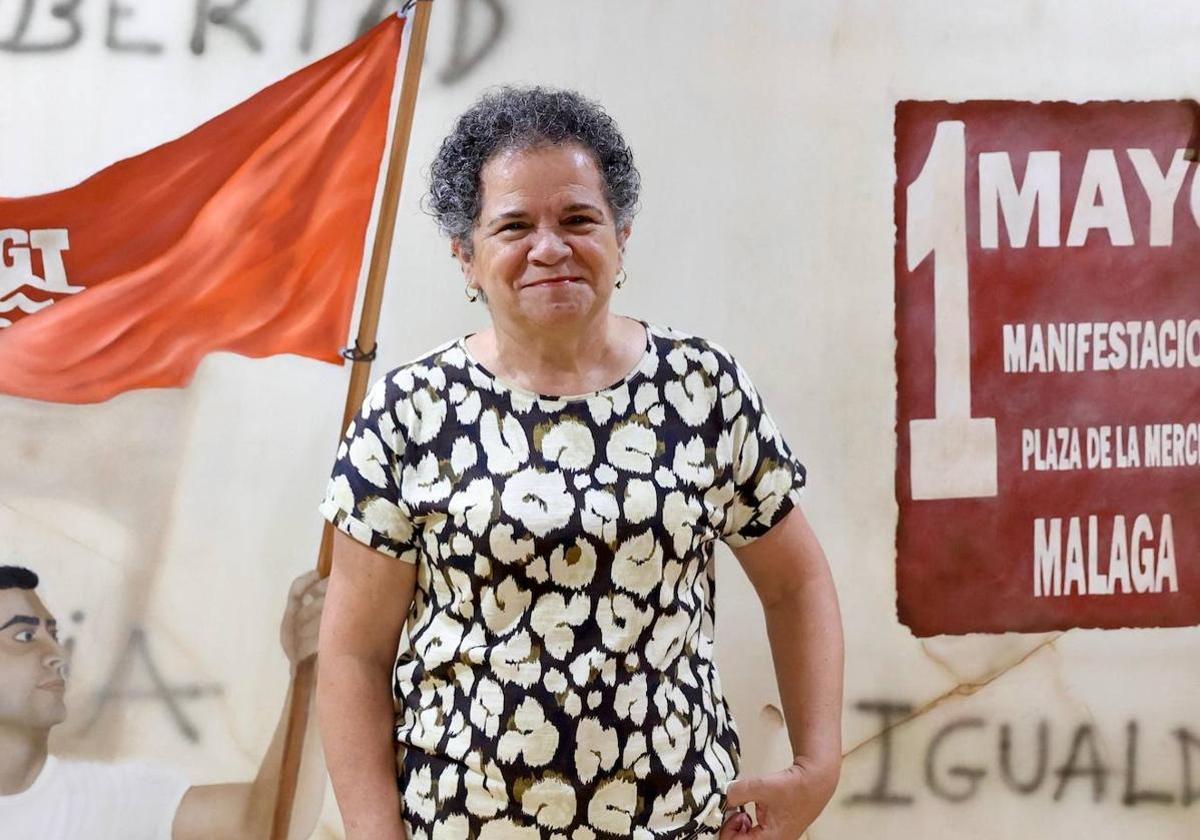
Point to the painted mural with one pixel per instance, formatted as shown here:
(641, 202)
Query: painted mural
(998, 685)
(1048, 357)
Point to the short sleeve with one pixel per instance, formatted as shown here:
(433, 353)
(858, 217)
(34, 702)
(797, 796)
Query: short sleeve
(767, 478)
(363, 498)
(150, 795)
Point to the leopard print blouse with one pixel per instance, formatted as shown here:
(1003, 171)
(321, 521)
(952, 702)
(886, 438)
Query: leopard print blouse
(560, 679)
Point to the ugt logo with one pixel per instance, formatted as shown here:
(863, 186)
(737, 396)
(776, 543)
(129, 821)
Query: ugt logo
(16, 271)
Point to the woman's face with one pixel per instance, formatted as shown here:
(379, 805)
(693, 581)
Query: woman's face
(545, 247)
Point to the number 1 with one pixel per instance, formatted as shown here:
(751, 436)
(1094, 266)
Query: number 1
(952, 455)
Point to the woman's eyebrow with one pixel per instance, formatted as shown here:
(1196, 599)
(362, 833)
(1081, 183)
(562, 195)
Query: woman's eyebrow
(507, 214)
(572, 208)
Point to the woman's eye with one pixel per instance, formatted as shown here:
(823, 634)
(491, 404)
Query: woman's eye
(513, 226)
(581, 220)
(24, 636)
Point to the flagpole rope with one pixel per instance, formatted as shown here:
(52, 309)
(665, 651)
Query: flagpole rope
(304, 678)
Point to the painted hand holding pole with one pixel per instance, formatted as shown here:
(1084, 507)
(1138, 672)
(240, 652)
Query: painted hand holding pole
(364, 347)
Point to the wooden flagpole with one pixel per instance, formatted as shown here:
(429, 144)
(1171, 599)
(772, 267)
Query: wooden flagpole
(363, 353)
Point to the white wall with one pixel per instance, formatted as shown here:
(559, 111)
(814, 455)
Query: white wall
(764, 134)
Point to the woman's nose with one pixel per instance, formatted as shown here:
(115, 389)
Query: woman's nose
(548, 248)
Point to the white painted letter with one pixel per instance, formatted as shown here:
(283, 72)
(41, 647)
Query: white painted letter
(1014, 349)
(998, 187)
(1118, 558)
(14, 253)
(1047, 558)
(1166, 558)
(952, 455)
(1142, 555)
(1162, 190)
(1074, 559)
(1100, 176)
(52, 242)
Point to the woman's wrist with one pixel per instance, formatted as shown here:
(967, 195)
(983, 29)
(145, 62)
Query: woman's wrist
(387, 831)
(821, 769)
(359, 751)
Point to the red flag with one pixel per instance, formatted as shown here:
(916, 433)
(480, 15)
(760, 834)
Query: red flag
(245, 235)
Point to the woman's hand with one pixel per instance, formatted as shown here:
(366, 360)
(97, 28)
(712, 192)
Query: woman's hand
(791, 576)
(786, 803)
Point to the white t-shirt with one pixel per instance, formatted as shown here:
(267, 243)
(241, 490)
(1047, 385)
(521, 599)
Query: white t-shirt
(78, 800)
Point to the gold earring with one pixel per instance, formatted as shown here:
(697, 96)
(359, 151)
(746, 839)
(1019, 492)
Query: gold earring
(468, 293)
(624, 277)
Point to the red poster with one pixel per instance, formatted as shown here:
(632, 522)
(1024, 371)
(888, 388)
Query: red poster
(1048, 365)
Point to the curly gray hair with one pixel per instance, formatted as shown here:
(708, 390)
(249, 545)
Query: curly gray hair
(509, 118)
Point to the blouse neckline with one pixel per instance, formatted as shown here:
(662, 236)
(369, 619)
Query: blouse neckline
(632, 375)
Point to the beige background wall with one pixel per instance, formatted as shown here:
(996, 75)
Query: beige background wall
(764, 134)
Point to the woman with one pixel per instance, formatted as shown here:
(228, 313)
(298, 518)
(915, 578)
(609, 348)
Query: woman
(539, 501)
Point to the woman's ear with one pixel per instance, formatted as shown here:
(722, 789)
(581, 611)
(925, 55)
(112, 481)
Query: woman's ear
(461, 253)
(623, 235)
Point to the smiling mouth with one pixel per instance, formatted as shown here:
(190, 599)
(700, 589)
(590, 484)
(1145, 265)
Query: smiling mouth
(555, 281)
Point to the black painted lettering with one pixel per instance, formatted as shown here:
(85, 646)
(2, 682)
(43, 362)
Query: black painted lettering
(463, 59)
(64, 10)
(309, 27)
(1187, 743)
(117, 11)
(209, 14)
(1006, 761)
(374, 13)
(890, 715)
(69, 641)
(1133, 796)
(971, 775)
(138, 651)
(1095, 768)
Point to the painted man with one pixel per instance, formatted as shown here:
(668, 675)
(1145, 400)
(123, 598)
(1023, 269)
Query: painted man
(48, 798)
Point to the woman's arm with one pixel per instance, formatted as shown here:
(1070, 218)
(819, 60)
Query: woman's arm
(366, 607)
(791, 576)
